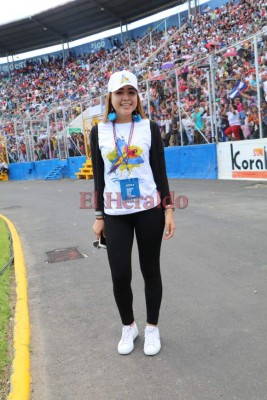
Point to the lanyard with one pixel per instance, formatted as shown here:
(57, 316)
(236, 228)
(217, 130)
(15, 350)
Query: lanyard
(119, 152)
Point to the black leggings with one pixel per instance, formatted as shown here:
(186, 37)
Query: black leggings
(148, 227)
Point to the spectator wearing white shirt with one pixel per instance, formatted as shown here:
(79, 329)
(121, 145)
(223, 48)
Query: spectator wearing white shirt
(188, 124)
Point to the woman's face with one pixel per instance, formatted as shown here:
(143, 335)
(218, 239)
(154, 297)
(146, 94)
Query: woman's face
(124, 101)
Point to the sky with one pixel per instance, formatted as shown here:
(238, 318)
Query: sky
(18, 9)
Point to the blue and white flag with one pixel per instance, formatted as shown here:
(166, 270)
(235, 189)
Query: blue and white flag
(239, 87)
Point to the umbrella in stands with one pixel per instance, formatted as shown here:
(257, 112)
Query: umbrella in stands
(212, 43)
(167, 65)
(231, 53)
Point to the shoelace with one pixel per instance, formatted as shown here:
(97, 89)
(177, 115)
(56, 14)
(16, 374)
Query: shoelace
(151, 335)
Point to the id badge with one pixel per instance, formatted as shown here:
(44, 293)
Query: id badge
(130, 189)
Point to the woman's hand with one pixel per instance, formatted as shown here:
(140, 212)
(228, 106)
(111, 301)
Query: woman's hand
(98, 227)
(169, 224)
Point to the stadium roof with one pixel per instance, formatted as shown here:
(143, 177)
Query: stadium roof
(73, 21)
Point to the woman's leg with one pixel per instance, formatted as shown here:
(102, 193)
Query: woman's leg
(149, 227)
(119, 233)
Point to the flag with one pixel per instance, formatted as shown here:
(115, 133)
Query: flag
(239, 87)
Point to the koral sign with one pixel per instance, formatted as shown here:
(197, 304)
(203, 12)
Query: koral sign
(249, 161)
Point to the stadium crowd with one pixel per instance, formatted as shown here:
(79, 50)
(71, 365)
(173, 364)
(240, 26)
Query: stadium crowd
(48, 95)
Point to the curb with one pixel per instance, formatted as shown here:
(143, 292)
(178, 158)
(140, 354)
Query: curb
(20, 378)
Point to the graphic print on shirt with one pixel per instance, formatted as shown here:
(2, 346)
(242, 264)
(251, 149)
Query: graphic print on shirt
(124, 79)
(124, 157)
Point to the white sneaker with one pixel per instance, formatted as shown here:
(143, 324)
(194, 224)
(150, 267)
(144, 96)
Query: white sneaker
(152, 344)
(129, 334)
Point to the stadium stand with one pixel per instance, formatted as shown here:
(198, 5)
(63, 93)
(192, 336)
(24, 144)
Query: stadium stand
(217, 52)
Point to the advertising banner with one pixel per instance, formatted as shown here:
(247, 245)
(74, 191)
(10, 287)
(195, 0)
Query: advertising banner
(242, 160)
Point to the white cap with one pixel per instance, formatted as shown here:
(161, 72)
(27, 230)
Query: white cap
(120, 79)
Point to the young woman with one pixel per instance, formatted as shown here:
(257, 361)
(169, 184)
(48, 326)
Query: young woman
(133, 197)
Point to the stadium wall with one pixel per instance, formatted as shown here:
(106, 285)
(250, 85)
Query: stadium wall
(41, 169)
(192, 162)
(230, 160)
(187, 162)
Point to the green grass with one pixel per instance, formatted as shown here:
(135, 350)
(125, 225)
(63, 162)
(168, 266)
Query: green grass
(5, 306)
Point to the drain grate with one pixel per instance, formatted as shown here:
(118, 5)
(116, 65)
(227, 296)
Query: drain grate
(60, 255)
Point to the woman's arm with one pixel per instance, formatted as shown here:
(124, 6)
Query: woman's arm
(98, 169)
(98, 172)
(158, 166)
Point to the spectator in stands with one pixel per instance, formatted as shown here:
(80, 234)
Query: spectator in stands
(199, 126)
(233, 132)
(166, 124)
(243, 115)
(253, 122)
(188, 126)
(23, 151)
(174, 141)
(238, 104)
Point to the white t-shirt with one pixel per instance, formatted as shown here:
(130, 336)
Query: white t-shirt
(187, 123)
(118, 167)
(168, 124)
(233, 118)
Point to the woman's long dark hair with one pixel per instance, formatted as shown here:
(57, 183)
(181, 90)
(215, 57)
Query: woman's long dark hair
(108, 108)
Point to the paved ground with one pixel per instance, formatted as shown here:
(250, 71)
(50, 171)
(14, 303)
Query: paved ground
(214, 313)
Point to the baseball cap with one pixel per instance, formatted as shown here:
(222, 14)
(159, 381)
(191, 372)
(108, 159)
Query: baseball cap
(120, 79)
